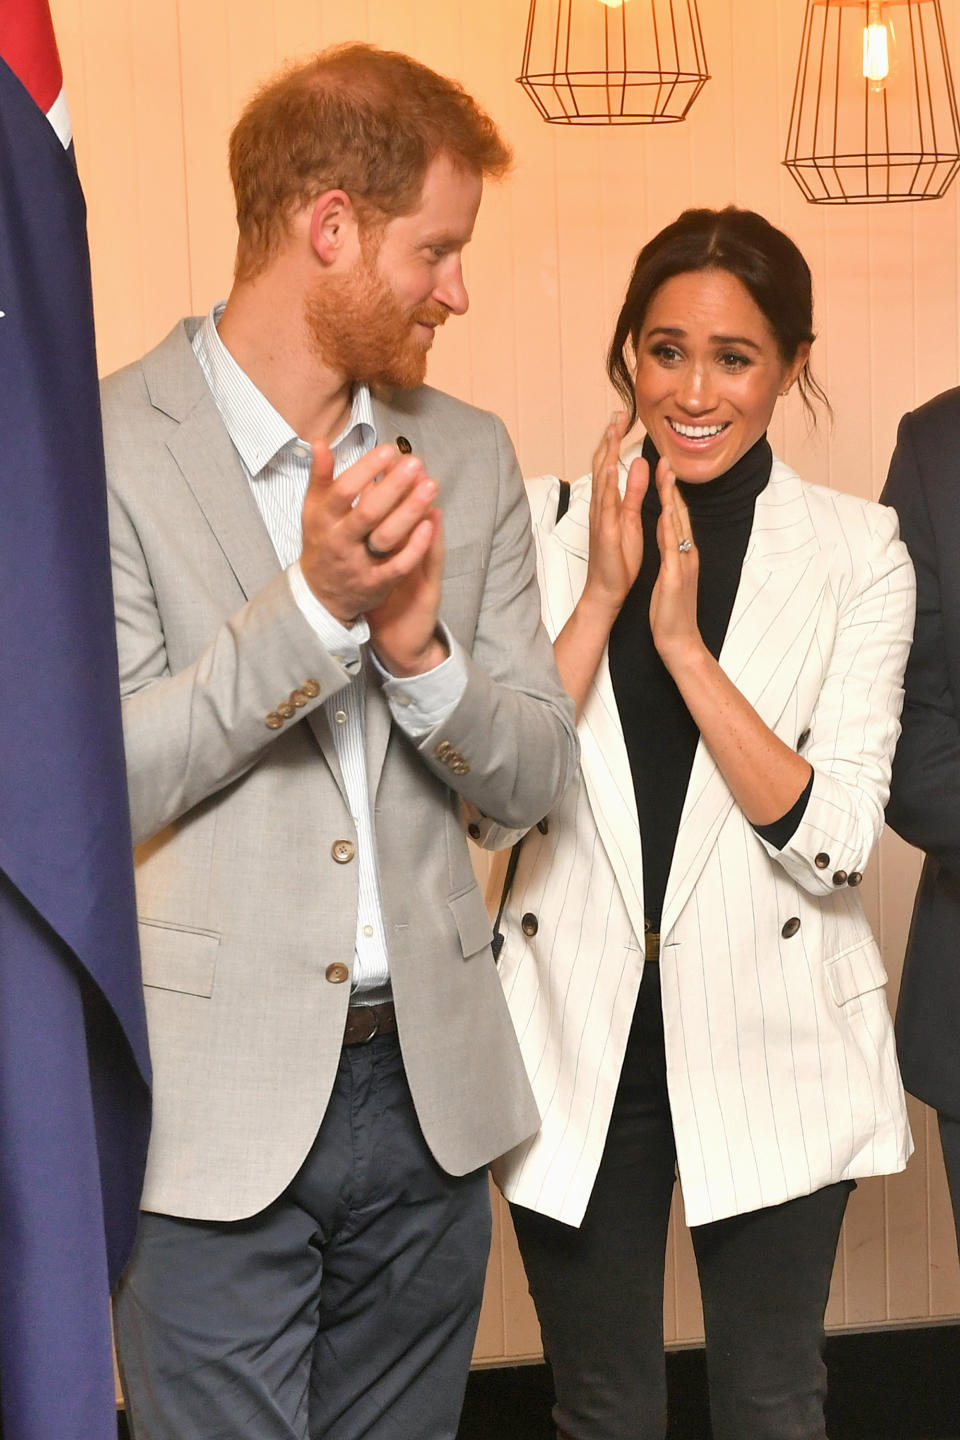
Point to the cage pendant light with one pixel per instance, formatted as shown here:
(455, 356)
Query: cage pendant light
(874, 114)
(613, 62)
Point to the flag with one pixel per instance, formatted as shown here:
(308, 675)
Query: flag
(74, 1071)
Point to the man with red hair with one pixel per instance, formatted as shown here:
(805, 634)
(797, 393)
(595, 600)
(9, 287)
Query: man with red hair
(329, 638)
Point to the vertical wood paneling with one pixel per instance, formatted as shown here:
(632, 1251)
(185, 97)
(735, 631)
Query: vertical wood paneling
(153, 93)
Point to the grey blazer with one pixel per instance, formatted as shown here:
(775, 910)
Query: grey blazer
(246, 916)
(924, 487)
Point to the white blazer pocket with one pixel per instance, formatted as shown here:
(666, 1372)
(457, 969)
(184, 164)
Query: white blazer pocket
(855, 971)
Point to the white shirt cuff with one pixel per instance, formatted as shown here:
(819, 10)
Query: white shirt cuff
(342, 641)
(418, 703)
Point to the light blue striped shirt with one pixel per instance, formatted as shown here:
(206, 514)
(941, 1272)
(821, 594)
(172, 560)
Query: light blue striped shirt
(277, 463)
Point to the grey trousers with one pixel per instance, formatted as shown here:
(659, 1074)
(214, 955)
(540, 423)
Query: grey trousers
(346, 1310)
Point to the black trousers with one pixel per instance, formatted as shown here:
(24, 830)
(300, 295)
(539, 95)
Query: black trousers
(598, 1290)
(950, 1143)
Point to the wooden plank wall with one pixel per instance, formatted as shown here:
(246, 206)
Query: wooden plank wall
(153, 90)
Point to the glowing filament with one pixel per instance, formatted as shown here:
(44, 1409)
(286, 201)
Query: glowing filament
(876, 49)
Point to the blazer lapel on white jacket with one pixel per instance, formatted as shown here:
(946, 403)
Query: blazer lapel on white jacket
(604, 762)
(771, 626)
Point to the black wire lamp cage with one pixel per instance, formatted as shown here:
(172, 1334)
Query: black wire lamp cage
(613, 62)
(874, 115)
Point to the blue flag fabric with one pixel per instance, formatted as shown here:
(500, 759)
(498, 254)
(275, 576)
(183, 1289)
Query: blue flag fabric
(74, 1069)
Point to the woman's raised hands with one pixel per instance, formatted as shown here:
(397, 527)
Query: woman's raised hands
(616, 534)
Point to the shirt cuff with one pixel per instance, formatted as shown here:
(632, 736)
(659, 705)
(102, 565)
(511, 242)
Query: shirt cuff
(418, 703)
(342, 641)
(782, 831)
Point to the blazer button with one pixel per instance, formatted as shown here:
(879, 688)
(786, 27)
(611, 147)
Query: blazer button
(273, 721)
(403, 445)
(459, 766)
(342, 851)
(286, 711)
(473, 830)
(802, 739)
(444, 750)
(298, 698)
(791, 927)
(854, 878)
(529, 924)
(840, 877)
(336, 974)
(821, 861)
(311, 688)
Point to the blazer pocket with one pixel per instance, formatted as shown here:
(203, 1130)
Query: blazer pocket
(855, 972)
(472, 921)
(178, 957)
(462, 559)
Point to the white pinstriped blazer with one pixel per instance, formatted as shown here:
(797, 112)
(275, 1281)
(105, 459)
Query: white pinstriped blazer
(780, 1059)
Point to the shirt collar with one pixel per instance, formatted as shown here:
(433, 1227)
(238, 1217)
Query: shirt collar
(258, 432)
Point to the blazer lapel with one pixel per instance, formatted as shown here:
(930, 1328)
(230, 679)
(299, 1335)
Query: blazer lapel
(214, 474)
(208, 461)
(604, 762)
(771, 626)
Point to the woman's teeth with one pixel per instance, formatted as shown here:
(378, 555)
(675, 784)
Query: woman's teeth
(695, 432)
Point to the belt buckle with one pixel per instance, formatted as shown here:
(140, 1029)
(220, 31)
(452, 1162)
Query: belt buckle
(374, 1015)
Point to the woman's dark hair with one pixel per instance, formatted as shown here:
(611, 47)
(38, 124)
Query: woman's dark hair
(763, 259)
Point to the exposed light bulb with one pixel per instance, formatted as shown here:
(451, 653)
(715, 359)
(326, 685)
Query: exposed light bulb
(876, 49)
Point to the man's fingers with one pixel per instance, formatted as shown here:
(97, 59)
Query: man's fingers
(385, 531)
(377, 465)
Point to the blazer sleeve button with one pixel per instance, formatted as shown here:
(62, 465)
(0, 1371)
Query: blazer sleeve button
(311, 688)
(298, 698)
(273, 721)
(821, 861)
(854, 878)
(342, 851)
(286, 711)
(403, 445)
(443, 751)
(473, 830)
(336, 974)
(529, 924)
(840, 877)
(791, 927)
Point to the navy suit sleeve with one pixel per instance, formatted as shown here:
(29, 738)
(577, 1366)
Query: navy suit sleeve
(924, 802)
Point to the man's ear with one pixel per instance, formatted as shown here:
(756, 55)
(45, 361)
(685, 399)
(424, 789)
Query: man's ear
(333, 225)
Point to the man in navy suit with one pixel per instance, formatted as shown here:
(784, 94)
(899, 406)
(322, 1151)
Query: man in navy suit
(924, 487)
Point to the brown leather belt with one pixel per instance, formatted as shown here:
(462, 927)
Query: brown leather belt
(651, 942)
(366, 1021)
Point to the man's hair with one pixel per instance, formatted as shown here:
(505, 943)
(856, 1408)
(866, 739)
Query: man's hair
(352, 118)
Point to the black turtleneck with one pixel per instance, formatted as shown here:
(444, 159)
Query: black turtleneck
(660, 735)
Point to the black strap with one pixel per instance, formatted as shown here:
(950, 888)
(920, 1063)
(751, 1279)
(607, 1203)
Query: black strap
(498, 936)
(563, 505)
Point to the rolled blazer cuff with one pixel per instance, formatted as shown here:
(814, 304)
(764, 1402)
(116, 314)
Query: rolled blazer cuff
(832, 843)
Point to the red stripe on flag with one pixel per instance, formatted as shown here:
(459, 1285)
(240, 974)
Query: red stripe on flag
(28, 45)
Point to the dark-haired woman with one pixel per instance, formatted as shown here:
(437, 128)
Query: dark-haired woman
(686, 957)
